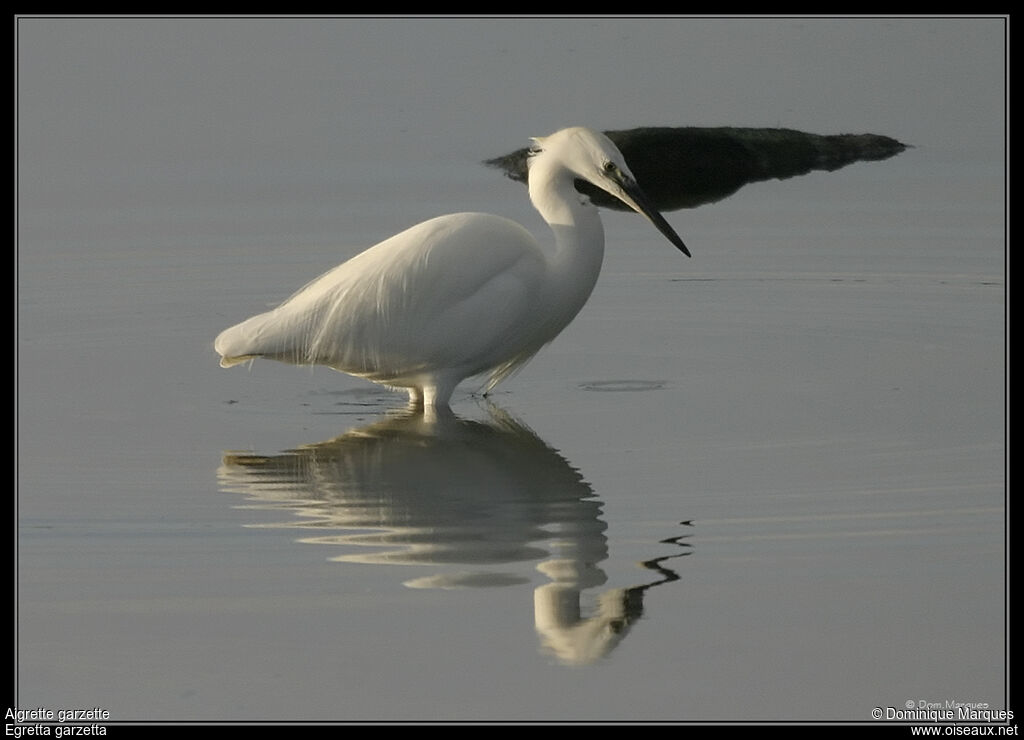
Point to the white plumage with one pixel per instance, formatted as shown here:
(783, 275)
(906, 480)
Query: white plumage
(458, 296)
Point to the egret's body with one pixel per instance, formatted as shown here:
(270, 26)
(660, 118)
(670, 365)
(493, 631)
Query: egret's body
(458, 296)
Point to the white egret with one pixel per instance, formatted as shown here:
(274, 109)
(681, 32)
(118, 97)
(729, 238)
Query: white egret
(458, 296)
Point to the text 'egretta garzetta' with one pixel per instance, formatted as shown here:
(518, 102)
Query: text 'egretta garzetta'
(458, 296)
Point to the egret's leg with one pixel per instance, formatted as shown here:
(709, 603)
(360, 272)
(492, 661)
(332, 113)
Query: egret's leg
(415, 398)
(438, 393)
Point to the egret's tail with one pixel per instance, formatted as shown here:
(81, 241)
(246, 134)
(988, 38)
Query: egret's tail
(236, 345)
(232, 361)
(259, 336)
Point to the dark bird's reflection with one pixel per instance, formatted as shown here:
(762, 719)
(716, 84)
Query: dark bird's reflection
(478, 495)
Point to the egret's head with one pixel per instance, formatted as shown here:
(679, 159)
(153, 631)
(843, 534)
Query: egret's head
(591, 156)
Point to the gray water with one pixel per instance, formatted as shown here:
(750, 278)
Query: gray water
(765, 483)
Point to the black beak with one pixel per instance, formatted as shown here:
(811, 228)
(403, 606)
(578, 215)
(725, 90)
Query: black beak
(638, 202)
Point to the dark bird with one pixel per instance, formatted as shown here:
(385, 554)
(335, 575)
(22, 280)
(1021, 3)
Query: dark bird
(689, 166)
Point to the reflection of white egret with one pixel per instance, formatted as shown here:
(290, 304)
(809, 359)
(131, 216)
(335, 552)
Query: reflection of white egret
(409, 490)
(577, 637)
(476, 503)
(463, 295)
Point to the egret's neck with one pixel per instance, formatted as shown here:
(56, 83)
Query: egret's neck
(579, 235)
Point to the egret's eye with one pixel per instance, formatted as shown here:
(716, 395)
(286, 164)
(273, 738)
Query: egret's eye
(610, 168)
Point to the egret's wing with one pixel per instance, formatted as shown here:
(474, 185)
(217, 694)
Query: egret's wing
(445, 293)
(442, 294)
